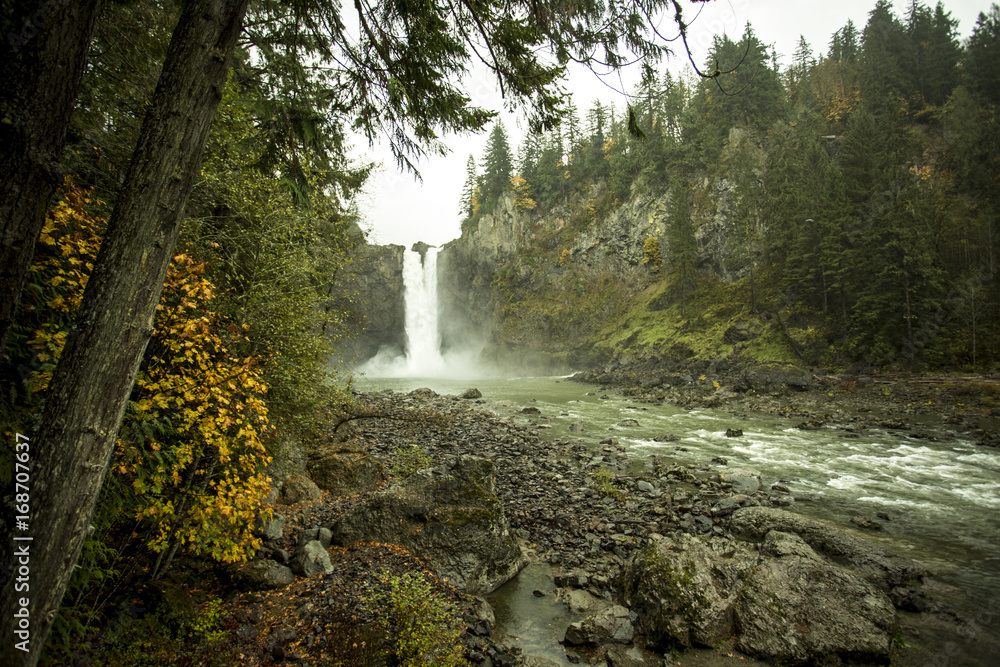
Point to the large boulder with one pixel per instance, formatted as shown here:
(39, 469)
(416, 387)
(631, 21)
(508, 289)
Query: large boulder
(297, 489)
(262, 575)
(449, 516)
(799, 608)
(609, 626)
(880, 567)
(344, 471)
(807, 593)
(683, 591)
(774, 377)
(311, 559)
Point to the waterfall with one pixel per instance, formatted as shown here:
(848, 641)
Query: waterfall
(423, 353)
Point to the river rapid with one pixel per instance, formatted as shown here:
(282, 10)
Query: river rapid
(935, 493)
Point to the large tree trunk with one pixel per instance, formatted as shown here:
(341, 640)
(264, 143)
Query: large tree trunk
(42, 59)
(90, 387)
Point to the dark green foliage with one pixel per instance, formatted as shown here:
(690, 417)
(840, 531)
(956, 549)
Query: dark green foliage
(862, 185)
(497, 167)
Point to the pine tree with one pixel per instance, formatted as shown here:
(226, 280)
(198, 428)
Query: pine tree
(467, 203)
(497, 167)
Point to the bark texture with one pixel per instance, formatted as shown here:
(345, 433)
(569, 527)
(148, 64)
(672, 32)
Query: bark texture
(42, 59)
(75, 437)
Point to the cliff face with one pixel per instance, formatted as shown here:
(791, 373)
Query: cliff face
(563, 291)
(379, 320)
(546, 291)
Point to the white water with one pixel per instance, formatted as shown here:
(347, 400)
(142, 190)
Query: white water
(423, 335)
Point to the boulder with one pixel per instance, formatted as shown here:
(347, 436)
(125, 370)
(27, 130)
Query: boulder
(262, 575)
(449, 516)
(272, 530)
(743, 480)
(884, 569)
(311, 559)
(472, 393)
(612, 625)
(683, 592)
(579, 601)
(798, 608)
(345, 471)
(632, 656)
(298, 488)
(315, 533)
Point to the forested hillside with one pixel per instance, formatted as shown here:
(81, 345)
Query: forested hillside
(858, 188)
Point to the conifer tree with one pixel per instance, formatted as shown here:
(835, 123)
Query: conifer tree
(497, 166)
(467, 203)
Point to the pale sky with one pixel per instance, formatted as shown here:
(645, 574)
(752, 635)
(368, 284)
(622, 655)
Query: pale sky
(397, 209)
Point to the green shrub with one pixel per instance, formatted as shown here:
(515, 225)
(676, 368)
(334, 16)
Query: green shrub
(423, 629)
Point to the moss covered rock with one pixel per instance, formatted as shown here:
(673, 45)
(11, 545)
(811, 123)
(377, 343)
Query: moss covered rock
(449, 516)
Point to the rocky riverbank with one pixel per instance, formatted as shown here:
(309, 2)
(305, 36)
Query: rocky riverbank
(603, 523)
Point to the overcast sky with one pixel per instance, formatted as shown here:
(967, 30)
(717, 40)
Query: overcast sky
(398, 209)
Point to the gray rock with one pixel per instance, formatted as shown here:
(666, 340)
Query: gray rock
(579, 601)
(480, 618)
(345, 471)
(611, 625)
(774, 377)
(271, 530)
(725, 506)
(798, 608)
(743, 481)
(311, 559)
(262, 575)
(449, 516)
(683, 592)
(574, 579)
(472, 393)
(645, 486)
(632, 656)
(316, 533)
(297, 489)
(875, 564)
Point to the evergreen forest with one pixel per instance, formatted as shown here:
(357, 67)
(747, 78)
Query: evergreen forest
(860, 182)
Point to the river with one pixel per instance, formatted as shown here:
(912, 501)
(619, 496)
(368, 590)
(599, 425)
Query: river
(940, 492)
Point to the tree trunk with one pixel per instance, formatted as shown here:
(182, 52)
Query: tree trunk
(42, 60)
(90, 387)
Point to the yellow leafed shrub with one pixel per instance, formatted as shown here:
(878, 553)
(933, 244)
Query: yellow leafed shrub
(191, 443)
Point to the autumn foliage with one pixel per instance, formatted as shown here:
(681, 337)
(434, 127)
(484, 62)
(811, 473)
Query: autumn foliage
(191, 445)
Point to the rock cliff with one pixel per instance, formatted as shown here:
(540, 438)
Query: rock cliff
(376, 283)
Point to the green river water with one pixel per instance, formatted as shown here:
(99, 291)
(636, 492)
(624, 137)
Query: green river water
(942, 493)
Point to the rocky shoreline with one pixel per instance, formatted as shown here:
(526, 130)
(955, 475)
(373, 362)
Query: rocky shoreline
(600, 522)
